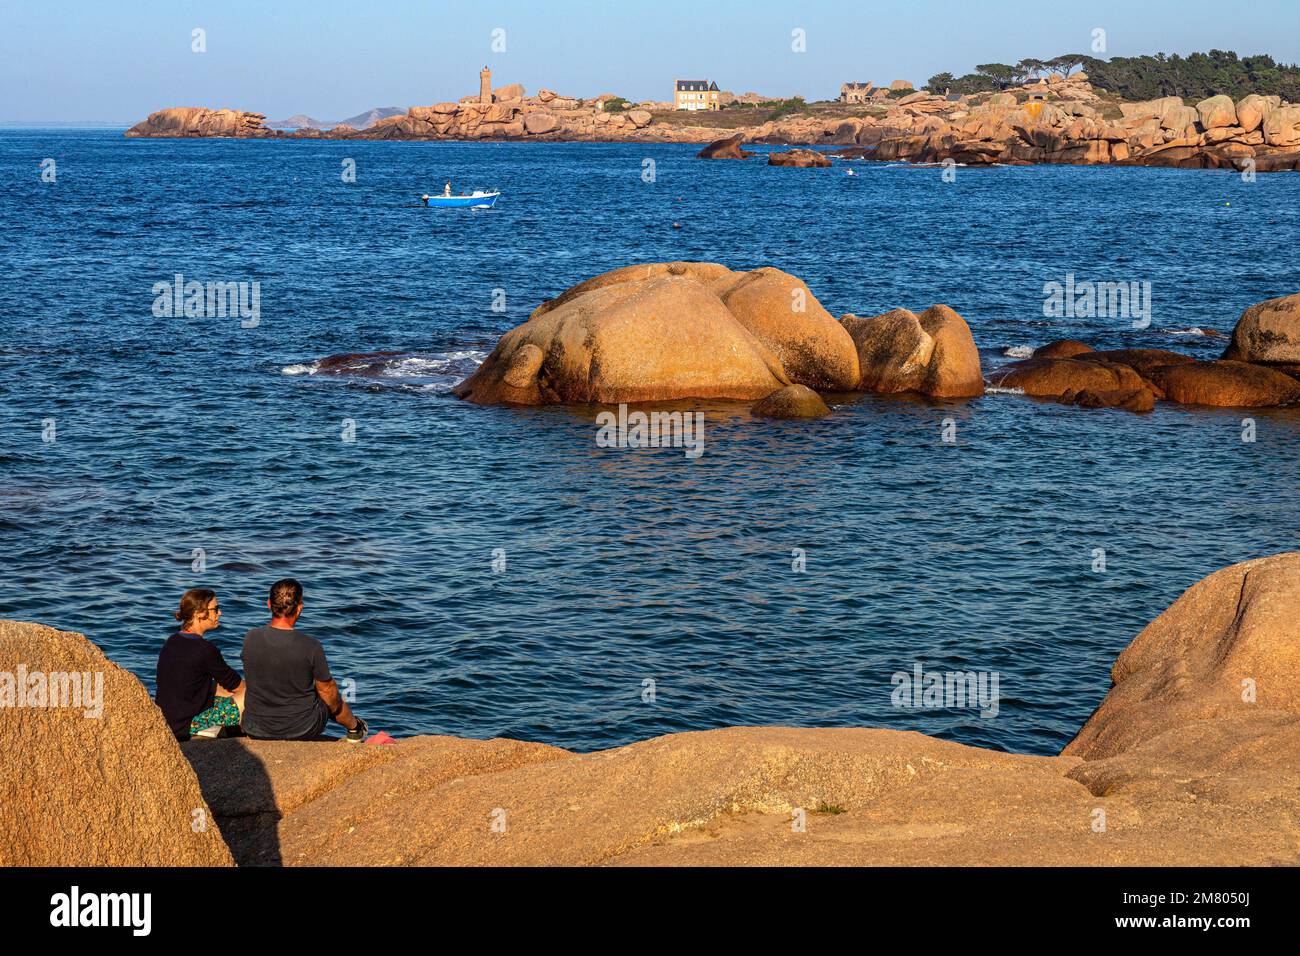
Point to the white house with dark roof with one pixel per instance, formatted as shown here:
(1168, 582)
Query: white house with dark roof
(695, 95)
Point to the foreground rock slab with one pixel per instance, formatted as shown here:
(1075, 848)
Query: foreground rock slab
(1186, 771)
(1193, 757)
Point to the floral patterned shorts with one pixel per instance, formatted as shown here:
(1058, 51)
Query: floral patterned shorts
(224, 712)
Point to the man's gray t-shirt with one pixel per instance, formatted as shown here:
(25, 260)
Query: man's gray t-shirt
(281, 667)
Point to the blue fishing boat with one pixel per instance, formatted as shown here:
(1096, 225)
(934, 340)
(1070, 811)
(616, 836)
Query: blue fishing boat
(475, 200)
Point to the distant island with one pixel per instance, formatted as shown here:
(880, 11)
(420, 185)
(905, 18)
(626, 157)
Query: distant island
(361, 121)
(1038, 111)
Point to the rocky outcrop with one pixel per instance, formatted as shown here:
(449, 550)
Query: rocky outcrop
(793, 401)
(1142, 361)
(725, 148)
(1075, 374)
(641, 333)
(1226, 383)
(1052, 378)
(669, 330)
(801, 158)
(1268, 332)
(90, 774)
(933, 353)
(197, 121)
(1060, 121)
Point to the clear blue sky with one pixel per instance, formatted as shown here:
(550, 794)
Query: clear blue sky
(118, 60)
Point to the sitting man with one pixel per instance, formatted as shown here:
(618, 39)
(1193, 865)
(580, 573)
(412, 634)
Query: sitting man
(291, 695)
(197, 691)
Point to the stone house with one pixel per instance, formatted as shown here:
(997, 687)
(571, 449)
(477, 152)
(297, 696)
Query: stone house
(695, 95)
(856, 92)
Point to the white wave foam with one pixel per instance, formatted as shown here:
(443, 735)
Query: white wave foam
(423, 366)
(999, 390)
(1192, 331)
(421, 371)
(1018, 351)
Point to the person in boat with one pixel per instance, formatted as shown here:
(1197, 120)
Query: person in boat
(197, 691)
(446, 190)
(291, 695)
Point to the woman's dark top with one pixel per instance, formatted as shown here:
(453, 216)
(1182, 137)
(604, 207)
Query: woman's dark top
(189, 668)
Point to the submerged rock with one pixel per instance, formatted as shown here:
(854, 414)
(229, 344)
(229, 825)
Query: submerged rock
(1142, 361)
(793, 401)
(1128, 399)
(1062, 348)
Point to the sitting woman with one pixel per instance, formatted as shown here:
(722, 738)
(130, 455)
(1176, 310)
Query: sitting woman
(197, 691)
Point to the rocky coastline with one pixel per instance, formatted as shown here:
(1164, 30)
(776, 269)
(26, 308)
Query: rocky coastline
(1056, 120)
(1191, 759)
(680, 330)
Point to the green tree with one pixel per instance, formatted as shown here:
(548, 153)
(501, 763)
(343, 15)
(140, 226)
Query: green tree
(1001, 74)
(940, 82)
(1028, 68)
(1066, 63)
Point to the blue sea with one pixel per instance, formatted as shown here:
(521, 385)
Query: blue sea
(485, 571)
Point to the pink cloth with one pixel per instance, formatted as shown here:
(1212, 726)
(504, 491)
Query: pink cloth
(380, 738)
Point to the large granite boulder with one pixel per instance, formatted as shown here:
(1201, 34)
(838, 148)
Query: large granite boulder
(1228, 649)
(90, 773)
(783, 314)
(1226, 383)
(1282, 126)
(640, 333)
(538, 123)
(1251, 112)
(933, 353)
(1217, 111)
(1267, 332)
